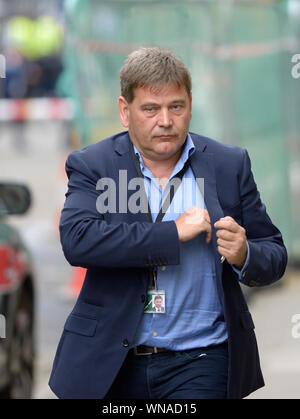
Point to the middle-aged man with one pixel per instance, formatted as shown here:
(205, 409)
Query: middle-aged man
(212, 233)
(158, 307)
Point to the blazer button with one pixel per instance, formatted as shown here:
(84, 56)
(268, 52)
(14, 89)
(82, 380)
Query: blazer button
(125, 343)
(143, 298)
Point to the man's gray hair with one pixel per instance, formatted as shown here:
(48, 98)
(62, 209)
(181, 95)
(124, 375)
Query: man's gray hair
(152, 66)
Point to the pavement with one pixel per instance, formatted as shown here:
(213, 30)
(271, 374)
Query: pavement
(273, 308)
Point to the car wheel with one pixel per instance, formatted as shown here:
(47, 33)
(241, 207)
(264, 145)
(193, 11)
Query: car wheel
(21, 357)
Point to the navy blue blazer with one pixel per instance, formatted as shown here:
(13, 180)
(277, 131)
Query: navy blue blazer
(118, 248)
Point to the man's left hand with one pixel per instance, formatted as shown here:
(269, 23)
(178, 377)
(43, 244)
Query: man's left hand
(232, 241)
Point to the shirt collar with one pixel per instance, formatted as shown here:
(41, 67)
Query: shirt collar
(188, 150)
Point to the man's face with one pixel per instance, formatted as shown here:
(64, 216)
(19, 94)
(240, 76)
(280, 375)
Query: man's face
(157, 119)
(157, 302)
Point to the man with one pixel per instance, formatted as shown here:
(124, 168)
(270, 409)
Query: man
(158, 307)
(193, 242)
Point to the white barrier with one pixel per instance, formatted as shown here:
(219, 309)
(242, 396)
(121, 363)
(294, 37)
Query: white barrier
(36, 109)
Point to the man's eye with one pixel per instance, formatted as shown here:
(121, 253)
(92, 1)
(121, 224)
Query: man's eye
(149, 110)
(177, 107)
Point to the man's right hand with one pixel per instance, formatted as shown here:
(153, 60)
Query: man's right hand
(192, 223)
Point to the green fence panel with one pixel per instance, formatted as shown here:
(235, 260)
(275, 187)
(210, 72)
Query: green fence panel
(239, 54)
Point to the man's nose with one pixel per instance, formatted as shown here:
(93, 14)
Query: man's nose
(164, 119)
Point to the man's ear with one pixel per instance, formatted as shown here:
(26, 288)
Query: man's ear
(190, 100)
(123, 111)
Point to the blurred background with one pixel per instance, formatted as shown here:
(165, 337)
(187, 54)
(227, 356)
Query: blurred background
(61, 61)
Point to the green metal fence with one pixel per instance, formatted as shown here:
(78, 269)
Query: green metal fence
(239, 54)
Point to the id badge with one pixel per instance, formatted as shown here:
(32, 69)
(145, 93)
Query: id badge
(155, 302)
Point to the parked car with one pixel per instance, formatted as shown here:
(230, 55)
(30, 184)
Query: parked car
(16, 298)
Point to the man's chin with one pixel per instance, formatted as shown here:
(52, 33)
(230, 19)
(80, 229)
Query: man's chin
(167, 150)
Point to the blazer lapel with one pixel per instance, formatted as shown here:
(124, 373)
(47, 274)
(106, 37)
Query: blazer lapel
(202, 163)
(125, 171)
(203, 167)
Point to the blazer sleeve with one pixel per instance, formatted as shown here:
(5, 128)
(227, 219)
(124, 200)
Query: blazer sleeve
(268, 255)
(89, 241)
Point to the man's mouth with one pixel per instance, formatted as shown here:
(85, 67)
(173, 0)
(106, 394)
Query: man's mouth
(165, 136)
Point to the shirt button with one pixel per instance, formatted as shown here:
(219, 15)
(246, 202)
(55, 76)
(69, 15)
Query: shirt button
(125, 343)
(163, 268)
(154, 333)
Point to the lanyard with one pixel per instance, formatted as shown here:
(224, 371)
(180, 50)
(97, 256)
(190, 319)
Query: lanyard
(173, 188)
(165, 205)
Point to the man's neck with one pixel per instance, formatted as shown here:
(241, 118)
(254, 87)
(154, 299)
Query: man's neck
(162, 168)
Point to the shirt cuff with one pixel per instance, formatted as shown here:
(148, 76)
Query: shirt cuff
(241, 273)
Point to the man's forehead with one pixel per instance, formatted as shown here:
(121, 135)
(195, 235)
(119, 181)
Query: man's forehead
(159, 91)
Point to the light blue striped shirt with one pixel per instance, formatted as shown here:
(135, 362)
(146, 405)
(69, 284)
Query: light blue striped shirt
(194, 298)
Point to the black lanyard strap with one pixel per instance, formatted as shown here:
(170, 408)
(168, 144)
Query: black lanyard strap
(173, 187)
